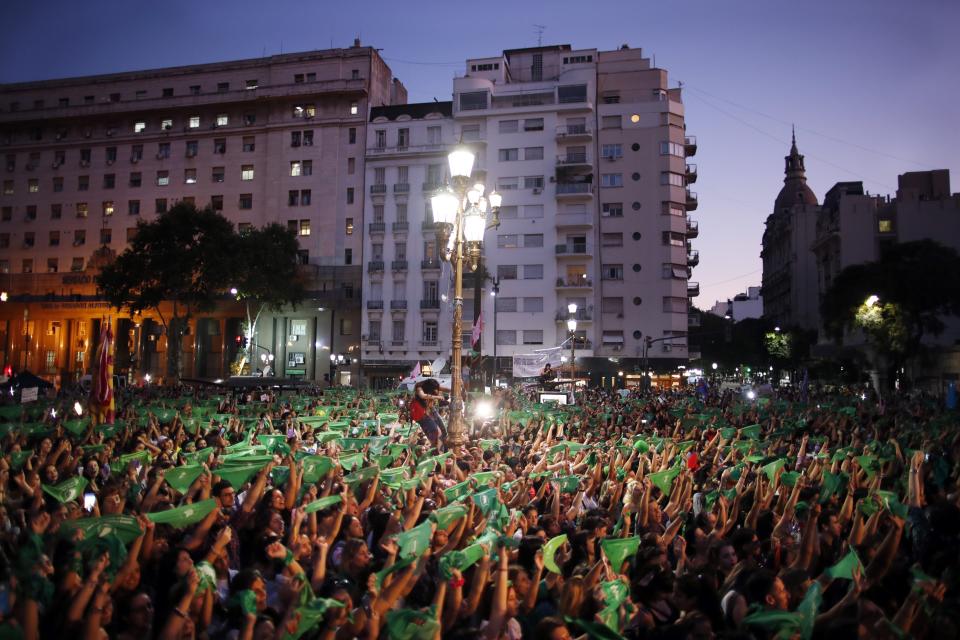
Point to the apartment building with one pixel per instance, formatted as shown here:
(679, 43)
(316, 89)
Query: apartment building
(275, 139)
(407, 297)
(589, 150)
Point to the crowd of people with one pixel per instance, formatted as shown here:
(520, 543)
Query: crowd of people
(330, 514)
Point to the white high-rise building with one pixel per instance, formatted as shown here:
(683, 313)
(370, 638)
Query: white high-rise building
(588, 149)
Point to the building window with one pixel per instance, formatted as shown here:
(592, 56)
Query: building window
(612, 338)
(190, 176)
(885, 225)
(351, 166)
(83, 183)
(672, 149)
(349, 195)
(473, 100)
(223, 87)
(674, 209)
(217, 174)
(193, 122)
(139, 127)
(352, 135)
(403, 138)
(612, 272)
(163, 150)
(220, 146)
(249, 144)
(131, 233)
(532, 240)
(508, 155)
(222, 119)
(246, 172)
(533, 153)
(216, 203)
(506, 336)
(673, 304)
(133, 207)
(354, 108)
(533, 272)
(613, 209)
(348, 230)
(76, 264)
(611, 151)
(611, 179)
(296, 168)
(163, 178)
(507, 272)
(54, 239)
(8, 187)
(612, 305)
(672, 179)
(611, 122)
(397, 330)
(79, 238)
(533, 124)
(246, 201)
(33, 185)
(160, 205)
(612, 239)
(305, 197)
(4, 240)
(533, 336)
(533, 182)
(533, 305)
(6, 214)
(507, 241)
(304, 228)
(57, 184)
(304, 111)
(293, 198)
(56, 211)
(82, 210)
(27, 265)
(31, 212)
(674, 239)
(430, 331)
(53, 265)
(106, 236)
(532, 211)
(675, 271)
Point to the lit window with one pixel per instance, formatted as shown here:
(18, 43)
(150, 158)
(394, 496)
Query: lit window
(107, 208)
(33, 186)
(190, 176)
(139, 126)
(163, 178)
(223, 120)
(166, 125)
(349, 229)
(296, 168)
(885, 226)
(304, 227)
(194, 122)
(246, 172)
(354, 108)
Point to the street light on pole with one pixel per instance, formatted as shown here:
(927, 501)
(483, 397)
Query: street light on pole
(572, 328)
(460, 216)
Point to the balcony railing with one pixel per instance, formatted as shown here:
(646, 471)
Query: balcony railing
(693, 228)
(574, 282)
(398, 305)
(375, 266)
(430, 264)
(377, 227)
(574, 188)
(433, 303)
(693, 289)
(398, 265)
(400, 226)
(690, 145)
(375, 305)
(401, 187)
(571, 130)
(428, 225)
(428, 343)
(378, 188)
(691, 173)
(693, 258)
(572, 158)
(571, 249)
(581, 314)
(692, 200)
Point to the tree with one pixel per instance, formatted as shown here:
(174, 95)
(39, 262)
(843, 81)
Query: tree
(183, 257)
(266, 277)
(896, 301)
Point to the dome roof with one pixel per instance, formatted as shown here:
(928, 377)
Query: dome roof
(795, 189)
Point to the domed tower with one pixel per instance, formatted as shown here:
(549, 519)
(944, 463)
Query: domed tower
(795, 189)
(789, 266)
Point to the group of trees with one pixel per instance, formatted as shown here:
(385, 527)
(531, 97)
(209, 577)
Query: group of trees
(187, 260)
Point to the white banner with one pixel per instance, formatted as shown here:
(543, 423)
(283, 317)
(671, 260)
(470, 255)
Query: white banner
(530, 365)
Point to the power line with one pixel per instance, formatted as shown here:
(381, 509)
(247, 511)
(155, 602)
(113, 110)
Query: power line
(806, 130)
(784, 142)
(742, 275)
(458, 63)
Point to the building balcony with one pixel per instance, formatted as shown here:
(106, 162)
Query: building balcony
(690, 145)
(428, 225)
(693, 228)
(692, 200)
(398, 265)
(584, 315)
(377, 227)
(433, 303)
(574, 133)
(398, 305)
(693, 258)
(574, 190)
(574, 160)
(576, 249)
(430, 344)
(573, 220)
(375, 305)
(430, 187)
(691, 173)
(432, 264)
(378, 189)
(574, 283)
(693, 320)
(693, 289)
(375, 266)
(401, 187)
(400, 227)
(397, 343)
(405, 149)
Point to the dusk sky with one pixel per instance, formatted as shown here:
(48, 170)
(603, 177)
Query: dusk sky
(873, 86)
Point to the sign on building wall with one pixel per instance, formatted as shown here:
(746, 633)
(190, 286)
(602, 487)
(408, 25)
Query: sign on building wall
(530, 365)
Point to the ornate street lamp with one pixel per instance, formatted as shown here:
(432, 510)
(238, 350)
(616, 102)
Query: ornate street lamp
(460, 217)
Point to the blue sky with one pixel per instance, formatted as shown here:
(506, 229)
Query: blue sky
(872, 85)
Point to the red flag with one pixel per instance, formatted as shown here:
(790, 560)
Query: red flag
(477, 330)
